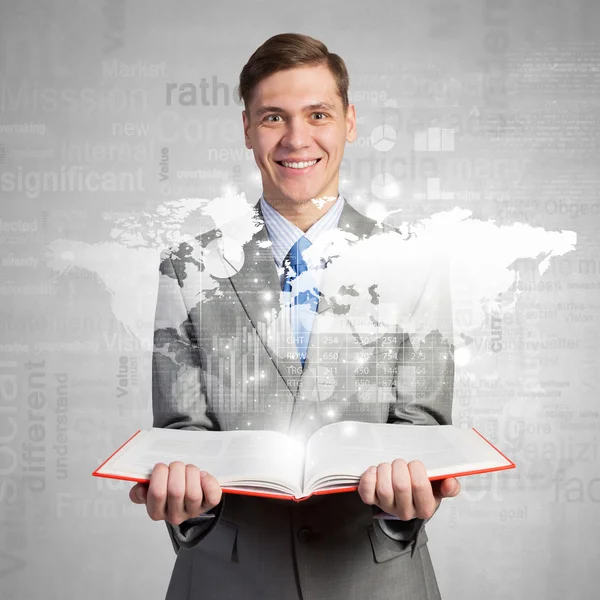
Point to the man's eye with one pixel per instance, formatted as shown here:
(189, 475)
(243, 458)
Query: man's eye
(320, 113)
(268, 117)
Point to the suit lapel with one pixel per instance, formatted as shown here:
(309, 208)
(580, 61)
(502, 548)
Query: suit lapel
(359, 225)
(257, 286)
(351, 221)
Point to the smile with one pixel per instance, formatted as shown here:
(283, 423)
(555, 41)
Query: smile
(298, 166)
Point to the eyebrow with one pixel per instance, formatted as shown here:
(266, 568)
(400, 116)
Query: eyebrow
(309, 107)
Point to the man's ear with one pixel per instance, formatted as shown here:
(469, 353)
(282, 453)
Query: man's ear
(351, 123)
(246, 123)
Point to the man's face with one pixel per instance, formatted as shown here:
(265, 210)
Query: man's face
(295, 116)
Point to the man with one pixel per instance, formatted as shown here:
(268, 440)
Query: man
(247, 338)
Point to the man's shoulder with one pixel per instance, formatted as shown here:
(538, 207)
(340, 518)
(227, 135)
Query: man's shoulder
(189, 247)
(236, 228)
(210, 248)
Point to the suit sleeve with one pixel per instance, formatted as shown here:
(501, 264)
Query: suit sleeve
(179, 399)
(424, 383)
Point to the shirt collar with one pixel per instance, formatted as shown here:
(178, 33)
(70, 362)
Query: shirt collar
(284, 234)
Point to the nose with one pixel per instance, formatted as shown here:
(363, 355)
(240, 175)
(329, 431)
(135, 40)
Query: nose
(297, 134)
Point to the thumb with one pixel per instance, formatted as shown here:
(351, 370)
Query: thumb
(138, 493)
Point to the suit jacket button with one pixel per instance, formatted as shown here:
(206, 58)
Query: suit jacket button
(305, 535)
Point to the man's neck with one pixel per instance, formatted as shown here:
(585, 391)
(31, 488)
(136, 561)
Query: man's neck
(304, 215)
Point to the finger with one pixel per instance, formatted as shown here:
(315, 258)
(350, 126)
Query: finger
(138, 493)
(384, 490)
(211, 490)
(175, 509)
(193, 491)
(402, 490)
(449, 488)
(366, 486)
(157, 492)
(422, 493)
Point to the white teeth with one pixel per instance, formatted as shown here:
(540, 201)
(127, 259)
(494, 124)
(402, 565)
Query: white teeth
(299, 165)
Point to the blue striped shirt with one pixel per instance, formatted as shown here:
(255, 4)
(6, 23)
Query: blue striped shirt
(284, 234)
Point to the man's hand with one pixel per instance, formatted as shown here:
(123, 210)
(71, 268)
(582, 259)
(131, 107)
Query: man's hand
(177, 492)
(404, 490)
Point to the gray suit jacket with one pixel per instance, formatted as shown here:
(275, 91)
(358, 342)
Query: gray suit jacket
(222, 360)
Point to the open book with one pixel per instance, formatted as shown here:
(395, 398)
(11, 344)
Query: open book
(272, 464)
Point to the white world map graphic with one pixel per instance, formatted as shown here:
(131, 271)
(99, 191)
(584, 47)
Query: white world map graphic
(479, 254)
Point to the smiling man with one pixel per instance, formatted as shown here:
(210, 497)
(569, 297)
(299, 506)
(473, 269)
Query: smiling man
(297, 124)
(297, 120)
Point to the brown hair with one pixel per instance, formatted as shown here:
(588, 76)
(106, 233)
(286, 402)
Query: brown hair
(287, 51)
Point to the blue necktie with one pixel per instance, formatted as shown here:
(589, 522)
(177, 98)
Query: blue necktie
(303, 295)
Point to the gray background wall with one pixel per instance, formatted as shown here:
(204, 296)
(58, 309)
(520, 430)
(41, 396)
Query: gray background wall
(99, 133)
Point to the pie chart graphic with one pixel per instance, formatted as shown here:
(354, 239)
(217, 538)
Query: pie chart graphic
(223, 257)
(383, 138)
(386, 187)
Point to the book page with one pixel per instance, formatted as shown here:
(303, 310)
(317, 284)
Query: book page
(230, 456)
(348, 448)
